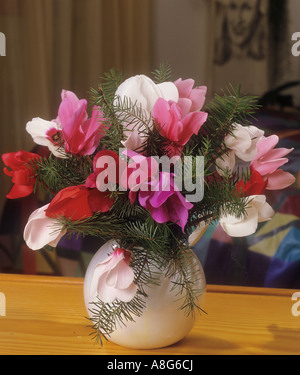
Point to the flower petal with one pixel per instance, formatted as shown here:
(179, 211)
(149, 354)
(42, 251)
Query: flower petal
(269, 166)
(241, 228)
(38, 129)
(122, 277)
(113, 278)
(226, 161)
(39, 230)
(71, 202)
(258, 210)
(168, 91)
(280, 180)
(184, 86)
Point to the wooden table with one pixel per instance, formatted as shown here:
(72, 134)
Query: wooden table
(46, 315)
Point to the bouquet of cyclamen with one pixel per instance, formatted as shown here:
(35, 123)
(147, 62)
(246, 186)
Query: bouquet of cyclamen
(150, 169)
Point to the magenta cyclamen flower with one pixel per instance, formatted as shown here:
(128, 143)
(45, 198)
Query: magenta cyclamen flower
(164, 201)
(113, 278)
(81, 134)
(173, 126)
(268, 160)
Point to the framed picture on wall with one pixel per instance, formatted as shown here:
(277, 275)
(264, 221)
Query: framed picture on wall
(239, 46)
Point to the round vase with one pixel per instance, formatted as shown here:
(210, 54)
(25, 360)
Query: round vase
(162, 323)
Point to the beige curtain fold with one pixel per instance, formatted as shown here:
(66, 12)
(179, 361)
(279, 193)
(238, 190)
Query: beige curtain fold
(63, 44)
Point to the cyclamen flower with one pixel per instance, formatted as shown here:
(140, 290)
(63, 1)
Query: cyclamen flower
(39, 230)
(163, 200)
(258, 211)
(47, 133)
(190, 99)
(241, 144)
(256, 185)
(74, 203)
(243, 141)
(78, 202)
(23, 177)
(173, 126)
(113, 279)
(71, 202)
(141, 91)
(72, 131)
(81, 134)
(267, 161)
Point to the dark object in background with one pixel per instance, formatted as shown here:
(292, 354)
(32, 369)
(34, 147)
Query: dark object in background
(275, 96)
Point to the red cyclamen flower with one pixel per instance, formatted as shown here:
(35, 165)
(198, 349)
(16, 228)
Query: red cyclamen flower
(23, 177)
(78, 202)
(256, 185)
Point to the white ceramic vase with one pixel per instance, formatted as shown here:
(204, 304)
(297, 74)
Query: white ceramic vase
(162, 323)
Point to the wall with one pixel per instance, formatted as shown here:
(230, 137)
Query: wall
(181, 37)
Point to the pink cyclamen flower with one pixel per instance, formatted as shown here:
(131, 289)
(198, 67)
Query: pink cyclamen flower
(190, 99)
(164, 201)
(269, 159)
(81, 134)
(40, 230)
(114, 278)
(143, 92)
(173, 126)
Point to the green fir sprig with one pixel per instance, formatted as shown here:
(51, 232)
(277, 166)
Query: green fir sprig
(105, 317)
(54, 174)
(163, 73)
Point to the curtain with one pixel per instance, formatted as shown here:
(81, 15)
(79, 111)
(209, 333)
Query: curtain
(53, 45)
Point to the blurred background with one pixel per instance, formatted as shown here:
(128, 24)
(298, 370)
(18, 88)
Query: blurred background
(52, 45)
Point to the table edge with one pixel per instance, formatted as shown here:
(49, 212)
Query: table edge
(211, 288)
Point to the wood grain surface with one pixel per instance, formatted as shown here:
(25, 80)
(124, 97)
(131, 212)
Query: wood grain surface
(46, 315)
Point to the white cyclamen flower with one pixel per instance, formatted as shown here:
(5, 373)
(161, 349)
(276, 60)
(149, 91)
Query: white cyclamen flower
(44, 133)
(39, 230)
(258, 211)
(141, 91)
(243, 141)
(241, 144)
(113, 278)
